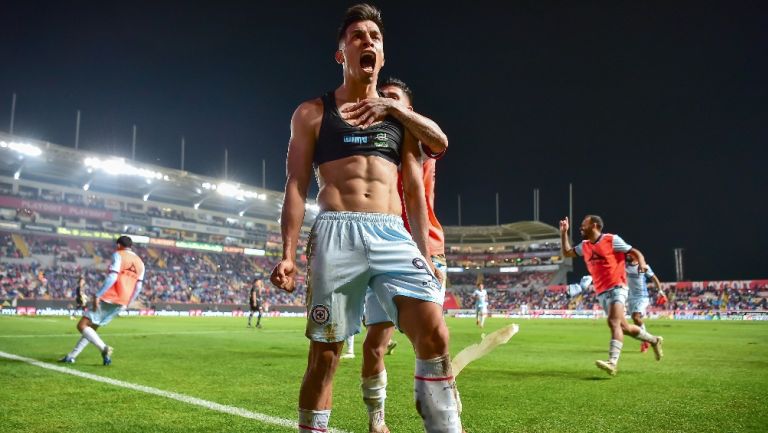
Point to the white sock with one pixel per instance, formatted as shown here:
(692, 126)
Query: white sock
(435, 393)
(615, 351)
(91, 335)
(313, 421)
(643, 335)
(350, 343)
(81, 343)
(374, 394)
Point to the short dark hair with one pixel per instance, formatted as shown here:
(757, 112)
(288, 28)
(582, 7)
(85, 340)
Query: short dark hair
(125, 241)
(594, 219)
(396, 82)
(360, 12)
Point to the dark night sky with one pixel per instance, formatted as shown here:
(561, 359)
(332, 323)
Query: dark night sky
(656, 111)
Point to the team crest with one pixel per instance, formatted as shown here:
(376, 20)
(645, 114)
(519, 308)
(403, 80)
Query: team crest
(320, 314)
(419, 264)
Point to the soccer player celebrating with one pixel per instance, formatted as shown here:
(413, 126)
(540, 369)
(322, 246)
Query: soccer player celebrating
(638, 293)
(481, 304)
(397, 99)
(256, 301)
(121, 287)
(604, 254)
(359, 240)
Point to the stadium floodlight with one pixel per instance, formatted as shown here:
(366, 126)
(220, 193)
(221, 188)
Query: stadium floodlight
(118, 167)
(242, 212)
(233, 190)
(145, 197)
(25, 149)
(17, 175)
(87, 186)
(197, 205)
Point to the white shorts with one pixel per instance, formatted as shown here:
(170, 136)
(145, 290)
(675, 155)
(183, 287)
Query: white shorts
(104, 314)
(374, 312)
(618, 294)
(481, 309)
(352, 253)
(638, 304)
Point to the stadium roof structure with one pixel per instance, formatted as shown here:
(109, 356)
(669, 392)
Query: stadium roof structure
(49, 163)
(521, 231)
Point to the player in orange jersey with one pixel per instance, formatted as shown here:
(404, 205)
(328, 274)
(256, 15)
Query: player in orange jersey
(122, 286)
(605, 255)
(397, 101)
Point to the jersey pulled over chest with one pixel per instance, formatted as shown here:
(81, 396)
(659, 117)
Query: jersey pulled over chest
(338, 139)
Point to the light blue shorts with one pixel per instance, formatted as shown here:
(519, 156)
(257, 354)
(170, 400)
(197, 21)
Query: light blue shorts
(618, 294)
(638, 304)
(481, 309)
(374, 313)
(104, 314)
(350, 253)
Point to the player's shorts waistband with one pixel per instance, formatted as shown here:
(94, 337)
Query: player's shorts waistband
(363, 217)
(617, 287)
(439, 258)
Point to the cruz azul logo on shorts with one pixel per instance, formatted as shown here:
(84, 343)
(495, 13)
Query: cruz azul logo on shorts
(320, 314)
(419, 264)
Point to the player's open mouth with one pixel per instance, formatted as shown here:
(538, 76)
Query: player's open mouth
(368, 61)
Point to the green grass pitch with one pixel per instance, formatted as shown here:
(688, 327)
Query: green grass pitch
(714, 378)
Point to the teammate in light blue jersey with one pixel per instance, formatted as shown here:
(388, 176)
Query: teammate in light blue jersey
(639, 299)
(481, 304)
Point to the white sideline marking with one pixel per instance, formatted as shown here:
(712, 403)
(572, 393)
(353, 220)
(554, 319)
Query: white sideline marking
(232, 410)
(140, 334)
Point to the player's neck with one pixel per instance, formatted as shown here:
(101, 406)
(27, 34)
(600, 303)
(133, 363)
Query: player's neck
(594, 236)
(354, 90)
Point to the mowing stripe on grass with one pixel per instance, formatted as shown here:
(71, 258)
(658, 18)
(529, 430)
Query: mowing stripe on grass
(232, 410)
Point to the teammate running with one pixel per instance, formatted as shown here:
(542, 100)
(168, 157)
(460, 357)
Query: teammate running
(359, 240)
(638, 293)
(120, 289)
(604, 254)
(481, 304)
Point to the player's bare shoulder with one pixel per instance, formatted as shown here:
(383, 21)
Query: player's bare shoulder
(307, 117)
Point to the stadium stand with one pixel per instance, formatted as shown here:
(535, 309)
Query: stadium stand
(205, 239)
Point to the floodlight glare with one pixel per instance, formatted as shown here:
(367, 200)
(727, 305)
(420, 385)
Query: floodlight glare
(22, 148)
(17, 175)
(87, 186)
(234, 191)
(118, 167)
(146, 197)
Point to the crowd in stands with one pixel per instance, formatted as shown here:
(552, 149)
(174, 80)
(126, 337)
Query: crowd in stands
(512, 299)
(545, 253)
(518, 280)
(720, 298)
(8, 247)
(188, 276)
(710, 298)
(173, 276)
